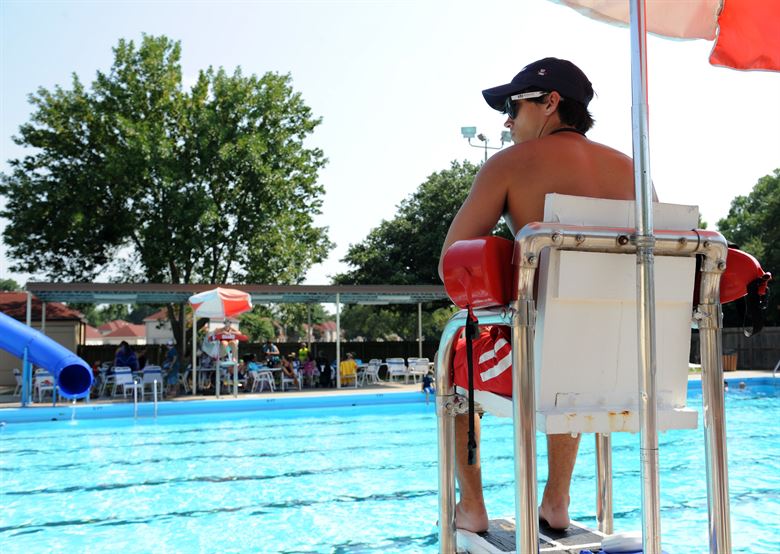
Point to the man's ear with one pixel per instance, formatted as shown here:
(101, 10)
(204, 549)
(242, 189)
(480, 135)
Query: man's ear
(553, 99)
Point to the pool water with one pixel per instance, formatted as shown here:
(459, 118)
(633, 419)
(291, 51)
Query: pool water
(338, 480)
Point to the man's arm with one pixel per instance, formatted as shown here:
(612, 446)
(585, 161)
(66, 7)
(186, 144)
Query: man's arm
(482, 208)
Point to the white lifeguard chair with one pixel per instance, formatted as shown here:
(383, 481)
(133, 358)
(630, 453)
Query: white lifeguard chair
(575, 356)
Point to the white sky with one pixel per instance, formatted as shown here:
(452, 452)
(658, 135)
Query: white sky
(395, 80)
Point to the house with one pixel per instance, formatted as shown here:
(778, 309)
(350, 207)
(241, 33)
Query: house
(158, 328)
(63, 324)
(132, 334)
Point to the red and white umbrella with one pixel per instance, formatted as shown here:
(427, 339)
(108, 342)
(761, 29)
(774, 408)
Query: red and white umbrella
(746, 32)
(221, 302)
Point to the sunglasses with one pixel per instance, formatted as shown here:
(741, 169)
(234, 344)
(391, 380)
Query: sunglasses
(510, 104)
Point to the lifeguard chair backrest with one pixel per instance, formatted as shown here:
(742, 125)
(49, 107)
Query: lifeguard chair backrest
(586, 330)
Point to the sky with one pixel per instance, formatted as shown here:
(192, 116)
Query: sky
(394, 81)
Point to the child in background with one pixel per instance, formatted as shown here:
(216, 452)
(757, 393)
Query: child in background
(427, 385)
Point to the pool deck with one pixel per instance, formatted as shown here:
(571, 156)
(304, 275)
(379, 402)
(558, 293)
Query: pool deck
(7, 400)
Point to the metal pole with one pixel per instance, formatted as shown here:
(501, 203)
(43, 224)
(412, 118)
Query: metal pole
(710, 317)
(26, 382)
(645, 241)
(43, 317)
(419, 330)
(338, 341)
(445, 433)
(524, 425)
(604, 482)
(308, 328)
(27, 364)
(194, 353)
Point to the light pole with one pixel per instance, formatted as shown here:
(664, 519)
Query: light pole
(471, 132)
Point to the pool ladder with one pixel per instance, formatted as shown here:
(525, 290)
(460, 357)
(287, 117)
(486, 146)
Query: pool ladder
(135, 399)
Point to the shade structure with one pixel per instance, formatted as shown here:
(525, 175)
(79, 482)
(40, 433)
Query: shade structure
(220, 302)
(745, 31)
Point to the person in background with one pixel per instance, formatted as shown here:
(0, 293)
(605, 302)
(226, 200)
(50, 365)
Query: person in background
(271, 352)
(125, 357)
(303, 353)
(427, 385)
(142, 358)
(170, 367)
(348, 369)
(288, 368)
(309, 370)
(326, 372)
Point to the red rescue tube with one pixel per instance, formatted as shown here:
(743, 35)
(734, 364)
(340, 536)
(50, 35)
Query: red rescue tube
(478, 272)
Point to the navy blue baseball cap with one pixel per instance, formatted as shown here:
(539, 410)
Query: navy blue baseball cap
(550, 74)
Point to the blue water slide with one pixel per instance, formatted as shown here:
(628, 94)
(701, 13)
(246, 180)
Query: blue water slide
(72, 374)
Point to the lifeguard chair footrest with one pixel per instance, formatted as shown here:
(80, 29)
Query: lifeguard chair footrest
(500, 539)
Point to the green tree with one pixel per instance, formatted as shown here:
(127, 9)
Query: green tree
(753, 223)
(163, 185)
(138, 177)
(257, 324)
(9, 285)
(405, 251)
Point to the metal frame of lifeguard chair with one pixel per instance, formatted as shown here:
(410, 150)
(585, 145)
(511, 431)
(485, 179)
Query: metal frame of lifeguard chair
(520, 316)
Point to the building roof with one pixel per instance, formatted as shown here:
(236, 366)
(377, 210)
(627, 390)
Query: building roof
(14, 304)
(158, 315)
(111, 326)
(92, 333)
(160, 293)
(128, 331)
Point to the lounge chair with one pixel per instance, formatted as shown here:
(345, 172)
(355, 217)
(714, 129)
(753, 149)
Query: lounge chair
(396, 367)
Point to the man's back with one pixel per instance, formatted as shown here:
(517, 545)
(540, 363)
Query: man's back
(564, 163)
(514, 182)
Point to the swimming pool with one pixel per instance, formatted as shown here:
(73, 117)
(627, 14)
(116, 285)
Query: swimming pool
(354, 479)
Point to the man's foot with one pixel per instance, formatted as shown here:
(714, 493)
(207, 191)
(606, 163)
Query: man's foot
(555, 515)
(473, 519)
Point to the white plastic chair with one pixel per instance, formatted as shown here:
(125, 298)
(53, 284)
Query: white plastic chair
(123, 377)
(18, 379)
(152, 373)
(287, 380)
(419, 367)
(43, 382)
(396, 367)
(184, 379)
(260, 378)
(371, 372)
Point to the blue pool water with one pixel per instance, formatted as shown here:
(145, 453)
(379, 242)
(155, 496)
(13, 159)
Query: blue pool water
(340, 480)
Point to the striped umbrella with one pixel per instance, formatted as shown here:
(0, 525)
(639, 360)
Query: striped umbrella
(221, 302)
(746, 32)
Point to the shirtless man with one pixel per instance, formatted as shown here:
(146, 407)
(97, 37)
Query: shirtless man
(546, 106)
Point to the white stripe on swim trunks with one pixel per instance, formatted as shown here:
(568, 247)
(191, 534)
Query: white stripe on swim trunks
(490, 354)
(502, 365)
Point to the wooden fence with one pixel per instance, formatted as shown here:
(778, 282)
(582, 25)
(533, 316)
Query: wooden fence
(761, 351)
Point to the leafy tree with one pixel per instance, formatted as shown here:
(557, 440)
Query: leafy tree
(9, 285)
(753, 223)
(163, 185)
(153, 183)
(257, 324)
(405, 251)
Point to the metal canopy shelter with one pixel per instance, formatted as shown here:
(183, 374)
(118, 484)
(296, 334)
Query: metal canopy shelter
(163, 293)
(160, 293)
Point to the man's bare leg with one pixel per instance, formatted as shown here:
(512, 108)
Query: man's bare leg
(470, 512)
(561, 455)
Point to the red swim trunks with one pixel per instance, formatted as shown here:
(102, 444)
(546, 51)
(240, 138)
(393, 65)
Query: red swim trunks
(492, 355)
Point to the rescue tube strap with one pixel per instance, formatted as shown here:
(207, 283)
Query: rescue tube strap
(472, 330)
